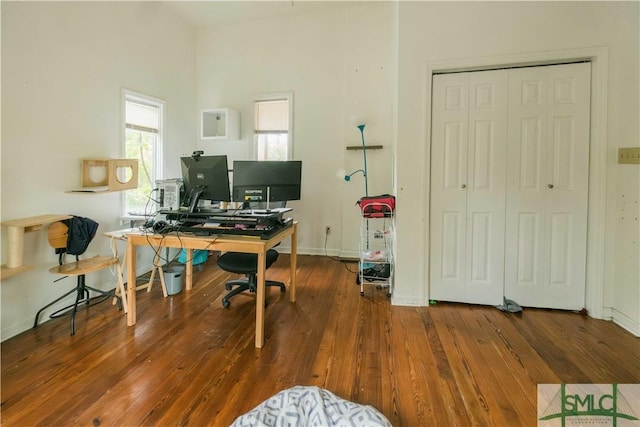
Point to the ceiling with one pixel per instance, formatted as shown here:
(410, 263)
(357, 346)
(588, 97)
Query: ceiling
(215, 12)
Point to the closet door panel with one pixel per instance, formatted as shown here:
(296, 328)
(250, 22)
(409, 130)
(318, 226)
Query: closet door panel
(568, 186)
(526, 176)
(527, 254)
(452, 249)
(448, 174)
(486, 186)
(525, 180)
(549, 182)
(467, 190)
(560, 241)
(529, 148)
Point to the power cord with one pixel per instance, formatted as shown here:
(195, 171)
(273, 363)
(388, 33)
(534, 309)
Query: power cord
(343, 262)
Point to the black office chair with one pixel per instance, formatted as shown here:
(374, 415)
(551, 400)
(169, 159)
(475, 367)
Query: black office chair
(247, 264)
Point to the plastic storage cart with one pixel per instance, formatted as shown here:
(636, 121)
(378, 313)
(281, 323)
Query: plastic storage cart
(377, 243)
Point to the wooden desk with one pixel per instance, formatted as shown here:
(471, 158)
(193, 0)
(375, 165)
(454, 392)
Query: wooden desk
(228, 243)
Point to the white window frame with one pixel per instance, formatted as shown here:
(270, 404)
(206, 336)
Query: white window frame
(288, 96)
(128, 95)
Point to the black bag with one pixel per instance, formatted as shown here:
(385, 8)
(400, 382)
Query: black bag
(81, 232)
(377, 272)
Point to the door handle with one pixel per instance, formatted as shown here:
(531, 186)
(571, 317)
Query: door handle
(550, 185)
(463, 186)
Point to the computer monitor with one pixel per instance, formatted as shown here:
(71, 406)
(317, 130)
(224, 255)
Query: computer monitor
(266, 180)
(205, 177)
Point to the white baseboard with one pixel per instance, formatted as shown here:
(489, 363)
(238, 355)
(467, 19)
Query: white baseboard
(625, 322)
(310, 251)
(18, 327)
(407, 301)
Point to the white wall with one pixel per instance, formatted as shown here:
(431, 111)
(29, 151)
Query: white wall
(63, 67)
(64, 64)
(440, 31)
(338, 66)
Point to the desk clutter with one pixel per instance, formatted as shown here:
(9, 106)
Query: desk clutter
(262, 223)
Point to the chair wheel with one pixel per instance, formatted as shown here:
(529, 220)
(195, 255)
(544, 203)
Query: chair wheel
(226, 303)
(227, 286)
(282, 289)
(361, 293)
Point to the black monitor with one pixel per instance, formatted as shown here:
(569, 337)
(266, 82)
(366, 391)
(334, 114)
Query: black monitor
(266, 180)
(205, 177)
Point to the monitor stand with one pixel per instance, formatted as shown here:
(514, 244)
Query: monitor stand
(266, 210)
(195, 198)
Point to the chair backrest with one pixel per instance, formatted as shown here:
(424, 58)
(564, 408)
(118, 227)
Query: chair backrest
(57, 235)
(72, 235)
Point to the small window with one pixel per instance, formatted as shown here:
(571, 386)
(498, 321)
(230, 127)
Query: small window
(143, 118)
(273, 137)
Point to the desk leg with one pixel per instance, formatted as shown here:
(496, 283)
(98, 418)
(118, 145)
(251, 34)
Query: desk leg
(120, 286)
(260, 297)
(189, 270)
(131, 283)
(157, 268)
(122, 261)
(293, 266)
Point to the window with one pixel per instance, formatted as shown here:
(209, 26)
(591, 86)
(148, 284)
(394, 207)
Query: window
(273, 137)
(143, 118)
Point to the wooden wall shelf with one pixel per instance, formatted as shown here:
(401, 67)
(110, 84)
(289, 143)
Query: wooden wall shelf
(16, 230)
(368, 147)
(111, 180)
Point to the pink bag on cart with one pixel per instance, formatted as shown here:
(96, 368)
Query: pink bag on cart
(377, 206)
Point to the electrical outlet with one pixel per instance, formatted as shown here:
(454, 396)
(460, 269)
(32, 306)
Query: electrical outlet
(629, 155)
(327, 229)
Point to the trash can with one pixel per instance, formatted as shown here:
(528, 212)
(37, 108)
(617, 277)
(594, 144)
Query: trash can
(173, 278)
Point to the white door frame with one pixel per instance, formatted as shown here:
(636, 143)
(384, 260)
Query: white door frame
(596, 226)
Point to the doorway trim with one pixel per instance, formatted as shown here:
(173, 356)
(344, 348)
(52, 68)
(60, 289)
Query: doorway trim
(596, 225)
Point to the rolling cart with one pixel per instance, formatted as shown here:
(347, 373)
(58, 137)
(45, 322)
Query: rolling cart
(377, 243)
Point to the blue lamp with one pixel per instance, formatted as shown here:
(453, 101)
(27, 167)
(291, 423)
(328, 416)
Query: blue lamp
(347, 177)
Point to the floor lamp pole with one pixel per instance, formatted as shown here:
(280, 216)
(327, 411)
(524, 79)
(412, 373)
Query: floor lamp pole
(364, 157)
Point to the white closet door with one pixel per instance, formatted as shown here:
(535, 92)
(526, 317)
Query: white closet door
(450, 125)
(468, 186)
(547, 186)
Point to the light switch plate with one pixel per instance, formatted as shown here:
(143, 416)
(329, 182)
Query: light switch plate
(629, 155)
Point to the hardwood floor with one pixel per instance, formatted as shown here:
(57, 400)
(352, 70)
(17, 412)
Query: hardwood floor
(190, 362)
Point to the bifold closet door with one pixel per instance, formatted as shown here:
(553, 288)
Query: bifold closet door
(468, 172)
(547, 185)
(509, 186)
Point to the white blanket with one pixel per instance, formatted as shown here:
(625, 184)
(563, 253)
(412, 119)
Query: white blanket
(310, 406)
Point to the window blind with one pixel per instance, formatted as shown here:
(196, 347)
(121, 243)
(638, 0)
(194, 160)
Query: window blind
(142, 117)
(272, 116)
